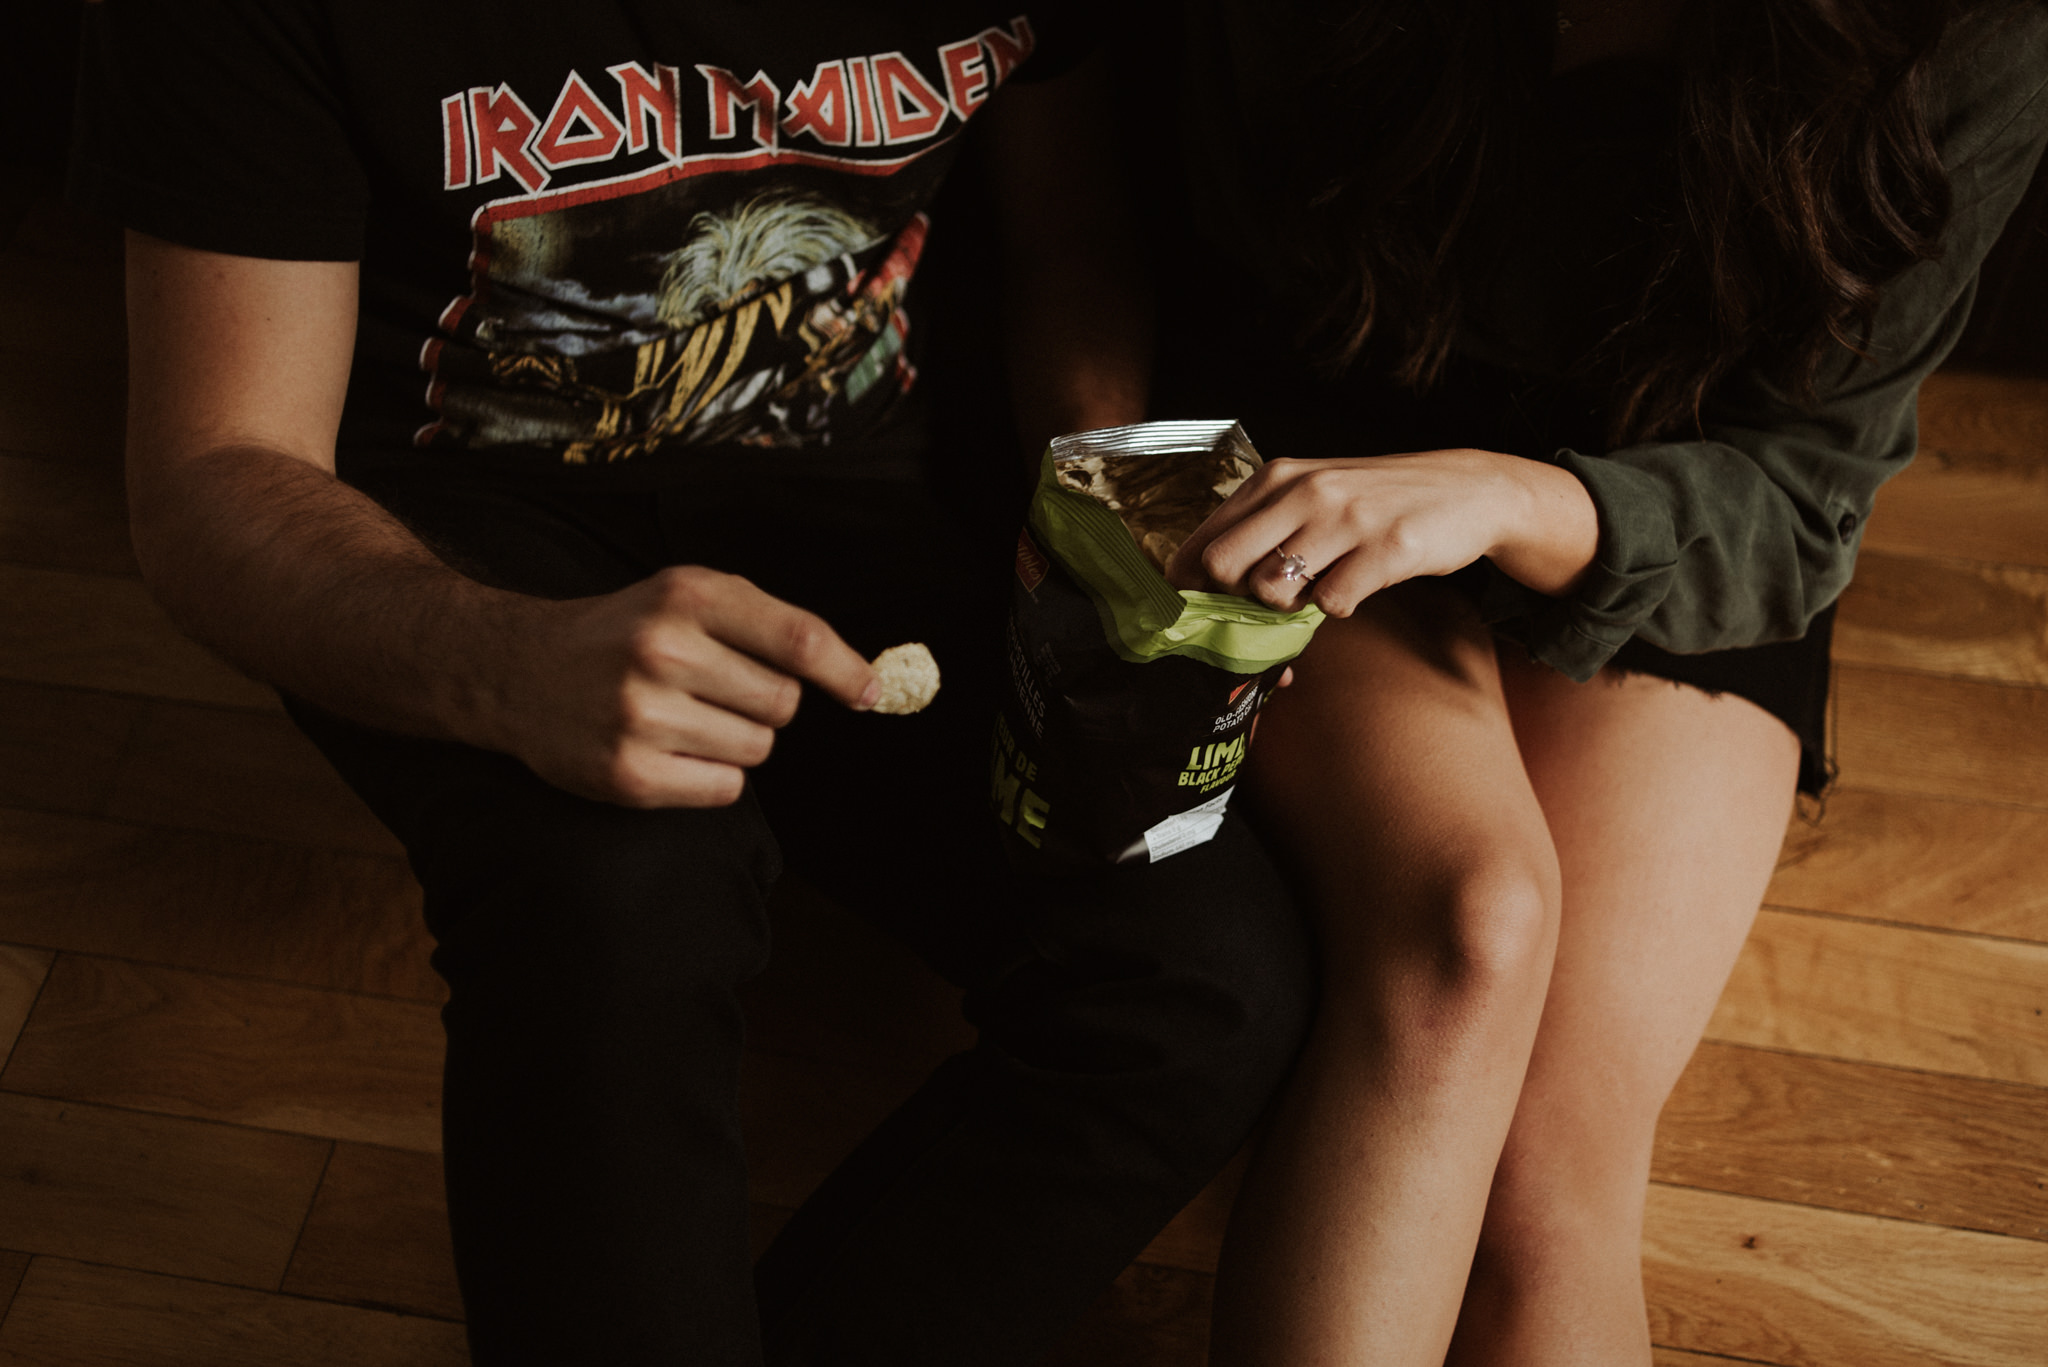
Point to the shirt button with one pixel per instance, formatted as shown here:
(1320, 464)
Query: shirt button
(1846, 528)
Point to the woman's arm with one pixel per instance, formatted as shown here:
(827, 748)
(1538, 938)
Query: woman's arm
(1742, 537)
(1361, 524)
(1736, 539)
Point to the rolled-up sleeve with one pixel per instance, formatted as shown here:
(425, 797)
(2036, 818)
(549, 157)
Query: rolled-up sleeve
(1741, 538)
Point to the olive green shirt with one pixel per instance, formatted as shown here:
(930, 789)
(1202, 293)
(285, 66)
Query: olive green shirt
(1743, 537)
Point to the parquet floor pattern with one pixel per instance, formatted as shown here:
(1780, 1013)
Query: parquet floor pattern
(218, 1109)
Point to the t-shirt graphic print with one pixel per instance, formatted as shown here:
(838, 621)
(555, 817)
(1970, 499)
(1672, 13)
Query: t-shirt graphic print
(751, 293)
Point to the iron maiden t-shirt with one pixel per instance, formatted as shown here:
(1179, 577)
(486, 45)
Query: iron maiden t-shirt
(588, 231)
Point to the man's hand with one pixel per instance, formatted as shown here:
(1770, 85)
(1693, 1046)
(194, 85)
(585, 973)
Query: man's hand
(664, 694)
(660, 694)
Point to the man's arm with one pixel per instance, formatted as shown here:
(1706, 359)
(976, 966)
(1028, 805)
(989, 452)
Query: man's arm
(1077, 305)
(661, 694)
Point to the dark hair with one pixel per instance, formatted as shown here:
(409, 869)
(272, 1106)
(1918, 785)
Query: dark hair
(1803, 178)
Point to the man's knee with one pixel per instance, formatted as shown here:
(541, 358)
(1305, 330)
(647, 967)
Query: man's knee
(1190, 980)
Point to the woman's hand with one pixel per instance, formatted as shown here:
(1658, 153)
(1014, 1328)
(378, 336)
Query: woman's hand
(1363, 523)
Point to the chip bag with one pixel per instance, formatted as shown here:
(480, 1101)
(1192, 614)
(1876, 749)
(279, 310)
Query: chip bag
(1131, 702)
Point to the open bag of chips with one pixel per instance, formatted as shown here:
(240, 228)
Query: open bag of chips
(1131, 703)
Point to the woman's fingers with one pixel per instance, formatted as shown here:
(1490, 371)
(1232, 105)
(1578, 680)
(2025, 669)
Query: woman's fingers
(1233, 556)
(1191, 566)
(1335, 532)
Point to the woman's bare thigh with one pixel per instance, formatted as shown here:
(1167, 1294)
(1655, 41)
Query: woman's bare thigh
(1666, 806)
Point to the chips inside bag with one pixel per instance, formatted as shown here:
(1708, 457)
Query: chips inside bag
(1131, 703)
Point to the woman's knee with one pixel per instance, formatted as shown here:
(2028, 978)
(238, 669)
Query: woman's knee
(1446, 955)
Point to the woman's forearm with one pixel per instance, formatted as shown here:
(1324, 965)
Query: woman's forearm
(1549, 528)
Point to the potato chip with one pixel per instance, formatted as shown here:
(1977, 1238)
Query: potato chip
(910, 679)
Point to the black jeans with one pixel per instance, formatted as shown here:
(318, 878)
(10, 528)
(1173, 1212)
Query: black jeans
(1131, 1026)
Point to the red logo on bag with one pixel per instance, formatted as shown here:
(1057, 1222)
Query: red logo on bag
(1031, 562)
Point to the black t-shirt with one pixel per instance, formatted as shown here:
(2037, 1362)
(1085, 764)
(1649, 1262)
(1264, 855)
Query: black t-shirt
(590, 233)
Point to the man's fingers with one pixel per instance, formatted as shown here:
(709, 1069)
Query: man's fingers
(781, 635)
(649, 778)
(671, 720)
(685, 658)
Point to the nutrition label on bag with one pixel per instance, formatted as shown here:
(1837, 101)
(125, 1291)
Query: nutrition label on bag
(1184, 831)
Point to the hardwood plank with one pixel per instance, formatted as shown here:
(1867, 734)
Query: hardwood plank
(22, 972)
(153, 1192)
(1979, 488)
(72, 305)
(102, 631)
(53, 228)
(13, 1266)
(1672, 1357)
(1150, 1317)
(253, 1053)
(1996, 418)
(1911, 733)
(52, 408)
(1885, 994)
(1962, 504)
(59, 746)
(64, 516)
(378, 1234)
(1194, 1237)
(1815, 1288)
(214, 903)
(1858, 1137)
(839, 990)
(239, 773)
(1946, 617)
(1921, 861)
(69, 1314)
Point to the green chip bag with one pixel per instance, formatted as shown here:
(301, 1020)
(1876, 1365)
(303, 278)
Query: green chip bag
(1131, 703)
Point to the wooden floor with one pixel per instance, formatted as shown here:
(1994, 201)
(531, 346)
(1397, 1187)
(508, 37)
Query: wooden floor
(218, 1114)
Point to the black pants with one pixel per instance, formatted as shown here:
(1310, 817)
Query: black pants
(1131, 1027)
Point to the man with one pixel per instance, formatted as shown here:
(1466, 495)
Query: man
(529, 392)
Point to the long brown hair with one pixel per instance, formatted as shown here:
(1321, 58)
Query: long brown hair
(1804, 177)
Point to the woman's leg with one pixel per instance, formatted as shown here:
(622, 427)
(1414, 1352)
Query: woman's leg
(1389, 773)
(1667, 807)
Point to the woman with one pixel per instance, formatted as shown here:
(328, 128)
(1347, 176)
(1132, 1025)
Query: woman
(1646, 289)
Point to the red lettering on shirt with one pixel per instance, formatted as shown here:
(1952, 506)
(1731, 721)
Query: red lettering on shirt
(657, 96)
(727, 95)
(504, 125)
(455, 142)
(853, 101)
(911, 106)
(967, 82)
(560, 145)
(867, 127)
(1007, 51)
(822, 107)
